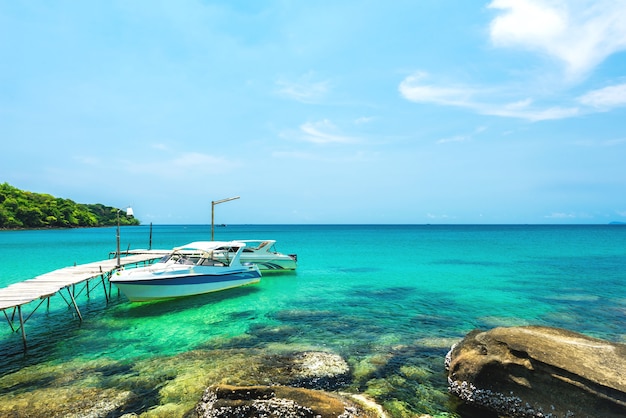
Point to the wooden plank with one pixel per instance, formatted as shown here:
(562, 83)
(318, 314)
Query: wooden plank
(13, 303)
(26, 293)
(48, 284)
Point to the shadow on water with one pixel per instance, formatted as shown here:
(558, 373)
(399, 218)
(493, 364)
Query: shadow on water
(358, 270)
(463, 262)
(242, 315)
(383, 295)
(46, 332)
(44, 328)
(26, 385)
(258, 336)
(168, 306)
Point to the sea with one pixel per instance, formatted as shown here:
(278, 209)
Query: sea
(389, 299)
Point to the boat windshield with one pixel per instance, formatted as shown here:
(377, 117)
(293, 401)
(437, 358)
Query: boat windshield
(179, 258)
(219, 258)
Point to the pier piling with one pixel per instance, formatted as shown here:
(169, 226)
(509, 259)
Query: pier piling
(43, 287)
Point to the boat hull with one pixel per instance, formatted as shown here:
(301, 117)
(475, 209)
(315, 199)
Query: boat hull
(165, 286)
(270, 264)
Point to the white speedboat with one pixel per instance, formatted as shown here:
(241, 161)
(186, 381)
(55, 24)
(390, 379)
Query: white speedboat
(206, 267)
(259, 252)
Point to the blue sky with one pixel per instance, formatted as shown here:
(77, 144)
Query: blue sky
(420, 111)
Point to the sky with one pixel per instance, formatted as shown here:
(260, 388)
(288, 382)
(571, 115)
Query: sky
(319, 112)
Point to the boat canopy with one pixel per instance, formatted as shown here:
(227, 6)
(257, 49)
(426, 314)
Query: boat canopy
(208, 246)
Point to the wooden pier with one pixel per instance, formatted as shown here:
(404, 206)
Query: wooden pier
(63, 282)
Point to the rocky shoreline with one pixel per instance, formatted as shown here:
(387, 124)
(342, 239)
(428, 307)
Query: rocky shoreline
(215, 383)
(515, 372)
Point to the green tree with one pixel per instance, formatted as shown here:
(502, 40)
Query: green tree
(23, 209)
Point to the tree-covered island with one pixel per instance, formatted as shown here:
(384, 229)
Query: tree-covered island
(26, 210)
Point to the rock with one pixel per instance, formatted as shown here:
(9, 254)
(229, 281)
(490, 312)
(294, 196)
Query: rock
(66, 402)
(225, 401)
(534, 371)
(319, 369)
(310, 369)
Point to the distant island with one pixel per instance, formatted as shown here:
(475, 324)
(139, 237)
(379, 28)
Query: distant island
(26, 210)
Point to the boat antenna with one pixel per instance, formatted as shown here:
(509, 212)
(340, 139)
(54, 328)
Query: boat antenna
(213, 203)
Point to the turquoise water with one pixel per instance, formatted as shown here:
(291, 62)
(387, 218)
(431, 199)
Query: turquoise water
(390, 299)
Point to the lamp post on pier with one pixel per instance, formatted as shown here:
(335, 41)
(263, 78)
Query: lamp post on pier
(129, 212)
(217, 202)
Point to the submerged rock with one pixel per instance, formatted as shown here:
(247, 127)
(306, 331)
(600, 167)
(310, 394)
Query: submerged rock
(66, 402)
(168, 386)
(539, 372)
(316, 369)
(309, 369)
(225, 401)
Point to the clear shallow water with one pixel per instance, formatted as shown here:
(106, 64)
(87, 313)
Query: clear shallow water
(389, 299)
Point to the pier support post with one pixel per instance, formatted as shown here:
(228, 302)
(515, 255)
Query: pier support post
(104, 287)
(9, 320)
(19, 310)
(80, 317)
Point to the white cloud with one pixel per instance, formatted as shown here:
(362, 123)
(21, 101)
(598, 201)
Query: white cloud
(439, 216)
(519, 105)
(363, 120)
(580, 33)
(570, 215)
(305, 89)
(560, 215)
(607, 97)
(463, 137)
(412, 89)
(526, 22)
(185, 165)
(322, 133)
(532, 114)
(456, 138)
